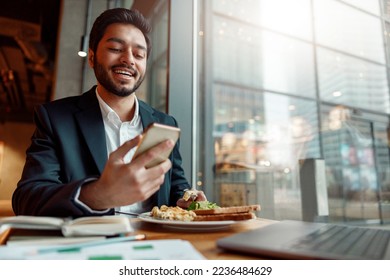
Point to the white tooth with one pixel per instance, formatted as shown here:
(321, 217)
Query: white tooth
(123, 72)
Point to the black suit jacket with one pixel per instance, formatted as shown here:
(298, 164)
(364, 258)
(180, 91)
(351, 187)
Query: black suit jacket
(68, 149)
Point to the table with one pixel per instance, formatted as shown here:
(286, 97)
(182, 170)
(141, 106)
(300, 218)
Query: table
(6, 208)
(204, 242)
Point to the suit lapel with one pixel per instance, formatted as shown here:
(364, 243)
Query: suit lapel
(146, 113)
(91, 125)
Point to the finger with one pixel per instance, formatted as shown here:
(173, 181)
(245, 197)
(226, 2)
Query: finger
(151, 187)
(120, 153)
(201, 196)
(160, 168)
(155, 187)
(183, 204)
(154, 153)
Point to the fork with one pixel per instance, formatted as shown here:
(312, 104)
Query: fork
(128, 213)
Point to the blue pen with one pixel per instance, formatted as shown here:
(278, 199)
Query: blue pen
(78, 247)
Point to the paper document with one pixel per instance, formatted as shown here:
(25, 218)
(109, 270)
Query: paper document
(52, 240)
(84, 226)
(167, 249)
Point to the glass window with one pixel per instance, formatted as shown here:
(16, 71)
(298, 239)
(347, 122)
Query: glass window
(289, 17)
(266, 70)
(352, 31)
(291, 129)
(286, 16)
(386, 9)
(258, 144)
(238, 58)
(251, 57)
(387, 39)
(381, 132)
(353, 162)
(352, 82)
(371, 6)
(154, 89)
(253, 116)
(244, 10)
(288, 65)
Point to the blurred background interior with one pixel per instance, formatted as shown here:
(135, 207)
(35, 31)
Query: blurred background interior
(282, 103)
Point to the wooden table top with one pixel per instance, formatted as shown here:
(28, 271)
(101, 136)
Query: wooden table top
(204, 242)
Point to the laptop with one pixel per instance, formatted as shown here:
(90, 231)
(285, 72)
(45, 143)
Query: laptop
(306, 240)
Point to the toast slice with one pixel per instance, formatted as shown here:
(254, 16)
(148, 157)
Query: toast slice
(225, 217)
(228, 210)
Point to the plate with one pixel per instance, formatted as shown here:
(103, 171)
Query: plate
(188, 226)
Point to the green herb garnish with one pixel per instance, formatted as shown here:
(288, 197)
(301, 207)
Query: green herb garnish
(202, 205)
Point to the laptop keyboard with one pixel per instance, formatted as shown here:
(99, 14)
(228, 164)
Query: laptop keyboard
(367, 243)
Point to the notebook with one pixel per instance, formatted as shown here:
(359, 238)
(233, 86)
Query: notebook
(306, 240)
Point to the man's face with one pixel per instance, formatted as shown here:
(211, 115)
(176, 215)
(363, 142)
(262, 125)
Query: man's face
(120, 59)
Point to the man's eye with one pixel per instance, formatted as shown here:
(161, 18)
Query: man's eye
(114, 50)
(139, 55)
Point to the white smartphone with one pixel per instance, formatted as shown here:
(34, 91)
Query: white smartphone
(154, 134)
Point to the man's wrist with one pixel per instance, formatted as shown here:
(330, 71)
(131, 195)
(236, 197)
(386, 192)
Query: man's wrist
(88, 196)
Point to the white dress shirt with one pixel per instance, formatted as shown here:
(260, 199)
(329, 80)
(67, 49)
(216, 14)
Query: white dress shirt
(117, 133)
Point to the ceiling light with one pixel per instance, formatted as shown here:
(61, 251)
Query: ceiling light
(83, 47)
(337, 93)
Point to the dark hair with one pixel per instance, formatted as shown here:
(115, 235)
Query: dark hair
(119, 15)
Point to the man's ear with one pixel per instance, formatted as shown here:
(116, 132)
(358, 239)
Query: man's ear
(91, 58)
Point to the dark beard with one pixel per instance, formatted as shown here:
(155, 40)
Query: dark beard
(108, 84)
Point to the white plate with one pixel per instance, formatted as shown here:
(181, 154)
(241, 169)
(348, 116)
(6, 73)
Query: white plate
(189, 226)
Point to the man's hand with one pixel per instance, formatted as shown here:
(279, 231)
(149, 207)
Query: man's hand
(200, 196)
(126, 183)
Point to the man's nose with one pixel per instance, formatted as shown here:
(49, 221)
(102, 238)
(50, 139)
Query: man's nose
(127, 58)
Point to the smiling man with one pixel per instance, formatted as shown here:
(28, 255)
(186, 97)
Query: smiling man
(80, 160)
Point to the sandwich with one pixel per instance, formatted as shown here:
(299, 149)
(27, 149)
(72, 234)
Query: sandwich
(199, 211)
(233, 213)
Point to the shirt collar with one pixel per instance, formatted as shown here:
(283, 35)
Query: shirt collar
(109, 114)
